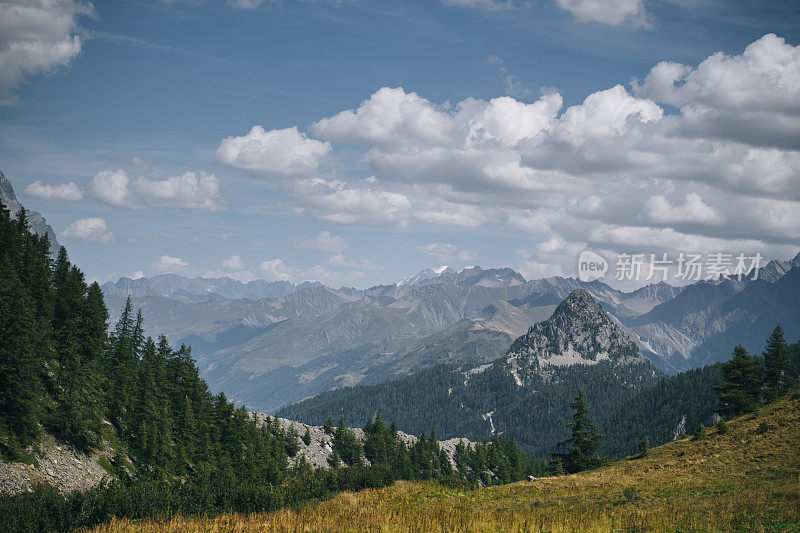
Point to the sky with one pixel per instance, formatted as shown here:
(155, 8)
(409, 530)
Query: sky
(355, 142)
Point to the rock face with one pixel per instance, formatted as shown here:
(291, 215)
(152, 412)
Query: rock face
(578, 333)
(58, 465)
(317, 452)
(37, 222)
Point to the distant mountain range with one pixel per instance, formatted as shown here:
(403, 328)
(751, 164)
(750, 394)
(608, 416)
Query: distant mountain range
(266, 352)
(201, 289)
(269, 344)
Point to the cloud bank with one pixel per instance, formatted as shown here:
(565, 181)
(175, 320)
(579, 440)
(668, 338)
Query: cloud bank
(691, 158)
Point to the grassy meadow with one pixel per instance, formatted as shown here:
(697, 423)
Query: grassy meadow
(747, 479)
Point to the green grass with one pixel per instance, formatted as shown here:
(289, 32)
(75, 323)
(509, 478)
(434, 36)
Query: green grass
(746, 479)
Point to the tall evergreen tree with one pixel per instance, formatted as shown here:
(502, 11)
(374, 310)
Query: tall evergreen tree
(740, 390)
(585, 439)
(776, 364)
(18, 360)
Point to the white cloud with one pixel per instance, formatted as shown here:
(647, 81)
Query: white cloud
(233, 262)
(616, 166)
(111, 187)
(89, 229)
(37, 36)
(389, 118)
(511, 84)
(137, 275)
(245, 276)
(612, 12)
(169, 263)
(659, 209)
(276, 153)
(447, 251)
(339, 260)
(276, 270)
(752, 97)
(325, 242)
(234, 268)
(605, 113)
(190, 190)
(65, 191)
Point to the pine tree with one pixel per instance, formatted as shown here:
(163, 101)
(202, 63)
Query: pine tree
(776, 363)
(307, 437)
(585, 439)
(346, 445)
(740, 390)
(644, 447)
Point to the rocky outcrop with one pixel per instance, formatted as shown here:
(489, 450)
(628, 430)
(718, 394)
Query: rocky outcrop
(317, 452)
(38, 224)
(56, 464)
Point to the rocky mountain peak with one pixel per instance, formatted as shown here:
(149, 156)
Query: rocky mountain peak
(37, 222)
(579, 332)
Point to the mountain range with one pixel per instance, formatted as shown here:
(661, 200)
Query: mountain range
(269, 344)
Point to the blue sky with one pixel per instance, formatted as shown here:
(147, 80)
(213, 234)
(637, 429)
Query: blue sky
(440, 132)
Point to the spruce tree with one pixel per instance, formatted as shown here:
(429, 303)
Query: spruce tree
(776, 363)
(740, 390)
(585, 439)
(18, 359)
(644, 446)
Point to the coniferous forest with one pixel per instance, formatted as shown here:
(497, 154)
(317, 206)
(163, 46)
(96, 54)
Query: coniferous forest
(177, 448)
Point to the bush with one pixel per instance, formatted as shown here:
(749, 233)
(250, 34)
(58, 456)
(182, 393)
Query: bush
(722, 427)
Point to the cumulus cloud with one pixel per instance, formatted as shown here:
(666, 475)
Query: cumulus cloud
(753, 97)
(137, 275)
(111, 187)
(65, 191)
(659, 209)
(89, 229)
(37, 36)
(658, 164)
(233, 262)
(234, 268)
(170, 263)
(612, 12)
(190, 190)
(282, 153)
(325, 242)
(447, 252)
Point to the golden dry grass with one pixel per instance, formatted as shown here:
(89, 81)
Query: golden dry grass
(747, 479)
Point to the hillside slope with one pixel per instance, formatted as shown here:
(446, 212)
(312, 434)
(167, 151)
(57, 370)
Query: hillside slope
(524, 394)
(745, 479)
